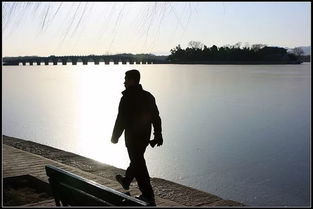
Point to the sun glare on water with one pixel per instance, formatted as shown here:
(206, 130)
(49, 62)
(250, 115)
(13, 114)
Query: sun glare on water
(99, 93)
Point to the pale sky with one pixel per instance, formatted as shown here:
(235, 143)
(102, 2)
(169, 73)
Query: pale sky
(83, 28)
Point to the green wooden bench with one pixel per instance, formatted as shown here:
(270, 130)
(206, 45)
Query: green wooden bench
(69, 189)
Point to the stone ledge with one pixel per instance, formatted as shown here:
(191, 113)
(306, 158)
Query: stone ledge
(164, 189)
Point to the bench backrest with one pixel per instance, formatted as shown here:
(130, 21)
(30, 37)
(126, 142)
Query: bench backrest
(74, 190)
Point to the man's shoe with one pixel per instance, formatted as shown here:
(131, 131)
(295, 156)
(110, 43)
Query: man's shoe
(150, 201)
(120, 180)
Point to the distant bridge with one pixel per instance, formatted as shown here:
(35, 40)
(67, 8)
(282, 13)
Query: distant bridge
(116, 59)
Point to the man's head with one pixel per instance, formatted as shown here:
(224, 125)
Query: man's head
(132, 78)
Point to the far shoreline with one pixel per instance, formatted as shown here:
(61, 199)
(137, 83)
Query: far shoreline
(176, 63)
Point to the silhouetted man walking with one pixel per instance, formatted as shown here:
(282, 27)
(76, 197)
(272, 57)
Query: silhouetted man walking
(137, 112)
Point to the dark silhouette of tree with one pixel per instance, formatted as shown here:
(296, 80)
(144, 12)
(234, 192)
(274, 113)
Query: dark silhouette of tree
(257, 47)
(196, 52)
(195, 44)
(298, 51)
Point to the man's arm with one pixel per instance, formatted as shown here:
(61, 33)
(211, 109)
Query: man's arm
(119, 123)
(156, 122)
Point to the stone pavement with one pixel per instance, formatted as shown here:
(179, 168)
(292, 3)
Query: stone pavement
(16, 162)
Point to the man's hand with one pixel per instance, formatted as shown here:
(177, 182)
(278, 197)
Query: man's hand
(114, 141)
(153, 143)
(158, 140)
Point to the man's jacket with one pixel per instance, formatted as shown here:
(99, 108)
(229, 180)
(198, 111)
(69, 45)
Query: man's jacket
(136, 113)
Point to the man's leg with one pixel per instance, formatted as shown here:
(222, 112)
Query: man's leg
(139, 170)
(130, 174)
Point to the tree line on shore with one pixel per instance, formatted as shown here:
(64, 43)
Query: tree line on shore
(197, 52)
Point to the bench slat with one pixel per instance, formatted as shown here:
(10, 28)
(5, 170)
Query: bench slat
(75, 189)
(76, 197)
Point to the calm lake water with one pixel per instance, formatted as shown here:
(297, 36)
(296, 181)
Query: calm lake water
(239, 132)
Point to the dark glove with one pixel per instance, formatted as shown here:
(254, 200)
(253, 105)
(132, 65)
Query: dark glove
(114, 140)
(158, 140)
(152, 143)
